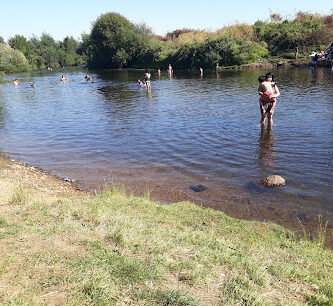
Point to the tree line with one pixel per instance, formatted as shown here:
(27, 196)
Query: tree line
(115, 42)
(22, 54)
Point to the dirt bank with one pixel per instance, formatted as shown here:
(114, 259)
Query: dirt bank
(43, 185)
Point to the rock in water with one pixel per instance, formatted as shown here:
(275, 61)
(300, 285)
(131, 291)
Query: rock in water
(198, 188)
(273, 181)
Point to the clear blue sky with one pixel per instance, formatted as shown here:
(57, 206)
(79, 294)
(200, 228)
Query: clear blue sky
(73, 17)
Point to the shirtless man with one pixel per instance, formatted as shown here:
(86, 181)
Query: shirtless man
(88, 78)
(16, 82)
(268, 92)
(63, 78)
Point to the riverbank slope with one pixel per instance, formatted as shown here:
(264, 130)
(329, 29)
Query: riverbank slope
(63, 246)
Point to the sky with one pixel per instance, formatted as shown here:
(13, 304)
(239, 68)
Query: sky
(61, 18)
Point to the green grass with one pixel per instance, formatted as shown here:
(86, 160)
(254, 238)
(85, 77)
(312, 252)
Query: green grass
(116, 249)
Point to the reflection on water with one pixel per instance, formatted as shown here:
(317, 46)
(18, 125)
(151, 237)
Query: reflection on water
(187, 131)
(266, 152)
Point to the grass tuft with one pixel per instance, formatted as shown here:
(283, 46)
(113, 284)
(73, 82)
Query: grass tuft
(20, 196)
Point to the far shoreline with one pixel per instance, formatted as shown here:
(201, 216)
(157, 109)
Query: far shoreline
(269, 63)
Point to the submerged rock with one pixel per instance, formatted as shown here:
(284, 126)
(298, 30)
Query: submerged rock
(273, 181)
(198, 188)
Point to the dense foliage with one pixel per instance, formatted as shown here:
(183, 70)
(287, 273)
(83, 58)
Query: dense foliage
(224, 50)
(12, 60)
(115, 42)
(46, 52)
(287, 35)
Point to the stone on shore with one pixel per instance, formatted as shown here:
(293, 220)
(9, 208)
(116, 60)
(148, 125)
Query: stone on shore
(273, 181)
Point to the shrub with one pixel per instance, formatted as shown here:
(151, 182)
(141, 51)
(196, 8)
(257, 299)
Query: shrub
(12, 60)
(226, 51)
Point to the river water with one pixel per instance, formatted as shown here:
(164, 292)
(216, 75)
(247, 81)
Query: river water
(188, 131)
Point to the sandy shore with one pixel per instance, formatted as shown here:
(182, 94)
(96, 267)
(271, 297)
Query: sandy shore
(42, 185)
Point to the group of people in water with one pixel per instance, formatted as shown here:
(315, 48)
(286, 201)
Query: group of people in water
(267, 90)
(63, 78)
(87, 78)
(16, 83)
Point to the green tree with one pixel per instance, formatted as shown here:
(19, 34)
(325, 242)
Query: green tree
(19, 42)
(224, 50)
(288, 34)
(70, 45)
(12, 60)
(116, 42)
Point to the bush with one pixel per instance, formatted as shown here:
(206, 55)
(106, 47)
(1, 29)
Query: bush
(12, 60)
(288, 34)
(226, 51)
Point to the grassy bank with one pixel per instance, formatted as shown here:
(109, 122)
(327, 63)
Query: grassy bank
(118, 249)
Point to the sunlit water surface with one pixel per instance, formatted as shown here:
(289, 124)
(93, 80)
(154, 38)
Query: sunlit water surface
(188, 131)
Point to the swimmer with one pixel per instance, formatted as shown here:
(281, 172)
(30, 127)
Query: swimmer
(63, 79)
(32, 84)
(142, 83)
(16, 82)
(88, 78)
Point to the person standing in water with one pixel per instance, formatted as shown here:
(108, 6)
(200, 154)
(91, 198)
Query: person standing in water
(296, 53)
(170, 70)
(16, 83)
(217, 67)
(268, 92)
(159, 72)
(201, 72)
(147, 79)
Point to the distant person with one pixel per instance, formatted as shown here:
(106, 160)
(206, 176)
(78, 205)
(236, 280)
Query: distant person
(63, 79)
(16, 82)
(147, 79)
(201, 71)
(32, 84)
(217, 67)
(315, 59)
(268, 92)
(296, 52)
(142, 84)
(159, 72)
(88, 78)
(170, 70)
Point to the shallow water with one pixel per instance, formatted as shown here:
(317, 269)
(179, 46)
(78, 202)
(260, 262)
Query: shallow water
(189, 131)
